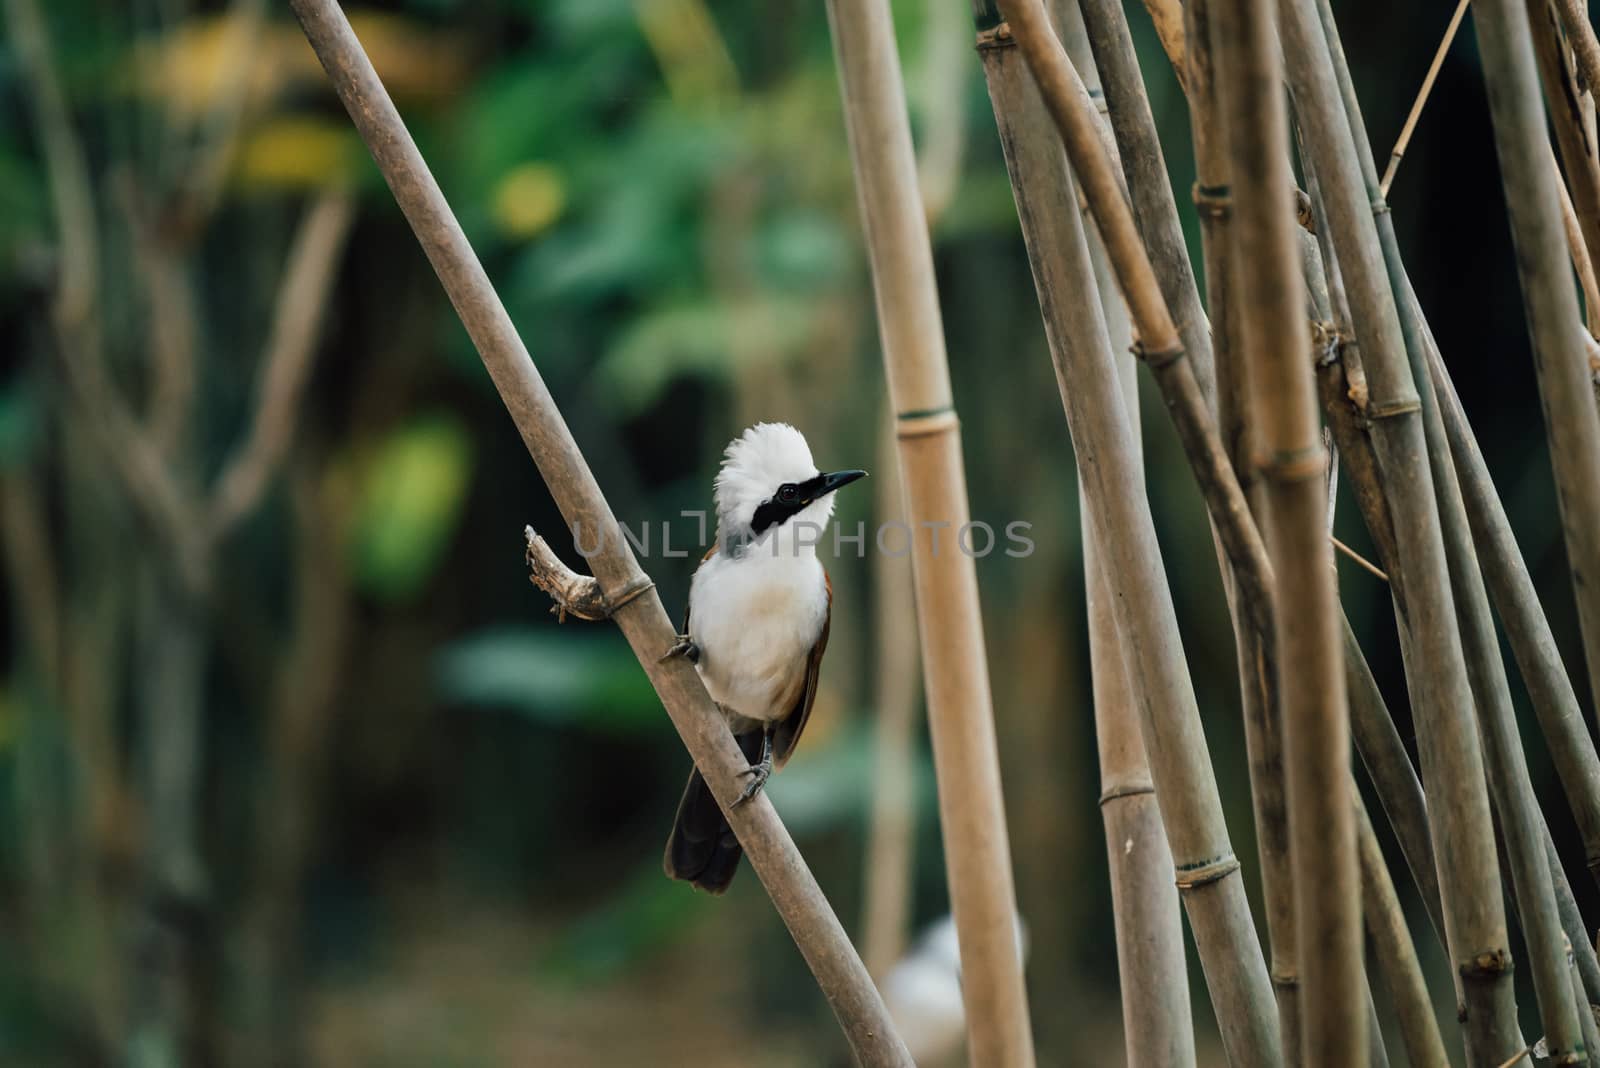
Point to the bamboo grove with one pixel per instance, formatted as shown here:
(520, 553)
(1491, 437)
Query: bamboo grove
(1290, 353)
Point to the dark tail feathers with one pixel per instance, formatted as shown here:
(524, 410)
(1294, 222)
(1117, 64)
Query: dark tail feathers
(703, 849)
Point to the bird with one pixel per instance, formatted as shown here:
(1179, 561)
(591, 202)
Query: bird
(756, 627)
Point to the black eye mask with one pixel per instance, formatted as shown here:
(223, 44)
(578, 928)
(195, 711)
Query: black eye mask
(794, 497)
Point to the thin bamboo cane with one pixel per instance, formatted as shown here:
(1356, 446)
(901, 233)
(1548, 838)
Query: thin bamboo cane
(1422, 97)
(1569, 117)
(1257, 684)
(1185, 785)
(1451, 759)
(629, 595)
(1396, 955)
(1571, 420)
(961, 720)
(1157, 1024)
(1273, 342)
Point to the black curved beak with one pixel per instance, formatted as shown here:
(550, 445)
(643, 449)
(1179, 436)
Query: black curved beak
(827, 482)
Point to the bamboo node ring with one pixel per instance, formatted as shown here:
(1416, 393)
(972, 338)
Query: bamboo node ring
(1398, 406)
(996, 36)
(1380, 206)
(1215, 201)
(923, 422)
(1295, 465)
(575, 594)
(1156, 359)
(1132, 789)
(1285, 980)
(1194, 876)
(1489, 965)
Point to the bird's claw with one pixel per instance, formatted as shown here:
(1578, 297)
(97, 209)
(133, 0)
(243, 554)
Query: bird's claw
(684, 647)
(759, 774)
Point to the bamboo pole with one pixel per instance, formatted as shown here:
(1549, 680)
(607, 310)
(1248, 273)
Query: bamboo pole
(977, 855)
(1273, 343)
(1394, 952)
(630, 598)
(1451, 760)
(1258, 695)
(1571, 420)
(1186, 790)
(1157, 1022)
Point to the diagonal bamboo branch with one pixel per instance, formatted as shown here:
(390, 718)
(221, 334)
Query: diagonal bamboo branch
(636, 607)
(954, 662)
(1422, 97)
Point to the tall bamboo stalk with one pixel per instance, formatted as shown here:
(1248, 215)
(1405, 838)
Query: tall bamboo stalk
(1572, 422)
(1452, 763)
(1257, 682)
(1274, 343)
(626, 592)
(977, 855)
(1124, 533)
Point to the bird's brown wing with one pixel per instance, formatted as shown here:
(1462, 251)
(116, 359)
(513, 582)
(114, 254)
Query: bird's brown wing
(788, 730)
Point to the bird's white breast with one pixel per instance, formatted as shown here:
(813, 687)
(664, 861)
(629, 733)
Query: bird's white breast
(755, 618)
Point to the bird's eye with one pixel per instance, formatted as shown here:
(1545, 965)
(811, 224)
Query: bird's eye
(788, 494)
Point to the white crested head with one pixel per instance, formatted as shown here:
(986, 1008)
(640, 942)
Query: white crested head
(769, 487)
(754, 465)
